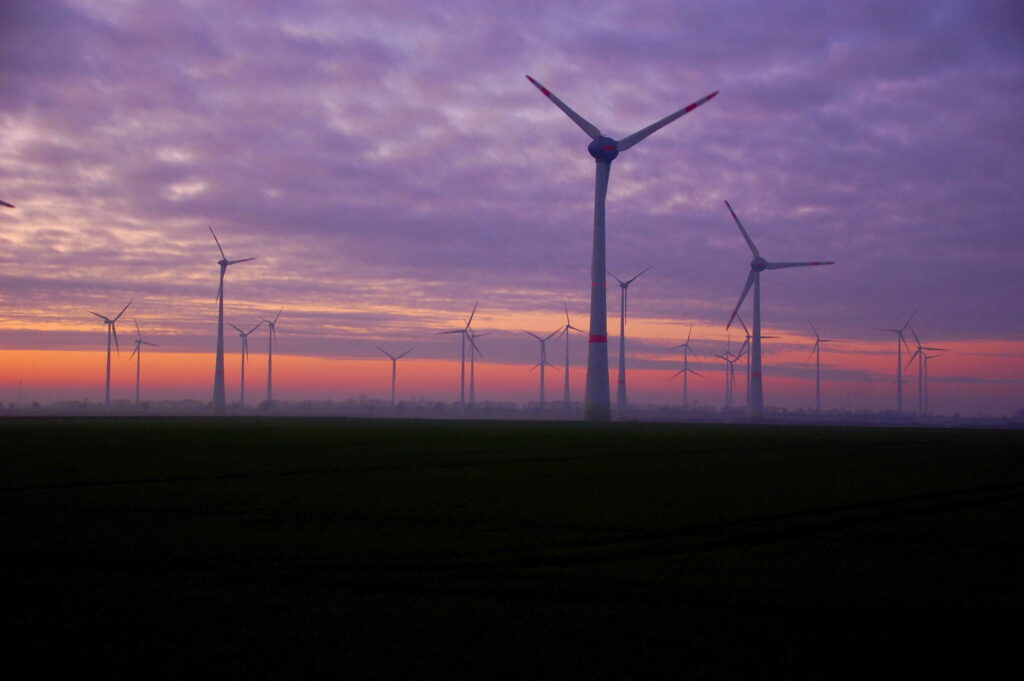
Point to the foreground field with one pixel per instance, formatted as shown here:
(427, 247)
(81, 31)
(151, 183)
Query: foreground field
(293, 547)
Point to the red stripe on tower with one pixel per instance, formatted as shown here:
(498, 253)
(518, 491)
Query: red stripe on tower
(598, 338)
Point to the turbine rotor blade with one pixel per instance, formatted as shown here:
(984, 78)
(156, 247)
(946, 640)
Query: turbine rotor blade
(218, 244)
(816, 335)
(746, 288)
(122, 311)
(584, 125)
(746, 237)
(638, 276)
(235, 262)
(640, 135)
(471, 314)
(113, 330)
(784, 265)
(254, 328)
(533, 334)
(278, 315)
(240, 332)
(100, 316)
(405, 353)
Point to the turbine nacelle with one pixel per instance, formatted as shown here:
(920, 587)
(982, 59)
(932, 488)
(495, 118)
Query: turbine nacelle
(758, 264)
(603, 149)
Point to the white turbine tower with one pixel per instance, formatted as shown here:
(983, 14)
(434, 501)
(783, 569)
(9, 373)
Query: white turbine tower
(219, 402)
(138, 360)
(604, 150)
(464, 331)
(111, 332)
(758, 265)
(922, 371)
(543, 359)
(244, 335)
(900, 342)
(271, 339)
(621, 402)
(565, 332)
(686, 370)
(394, 368)
(816, 351)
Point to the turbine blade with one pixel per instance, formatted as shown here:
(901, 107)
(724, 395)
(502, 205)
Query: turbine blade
(278, 315)
(621, 283)
(386, 352)
(568, 324)
(405, 353)
(688, 334)
(155, 345)
(640, 135)
(746, 289)
(551, 334)
(907, 323)
(235, 262)
(224, 257)
(138, 331)
(122, 311)
(745, 329)
(113, 330)
(746, 237)
(784, 265)
(471, 314)
(134, 351)
(585, 125)
(638, 276)
(236, 328)
(100, 316)
(533, 334)
(254, 328)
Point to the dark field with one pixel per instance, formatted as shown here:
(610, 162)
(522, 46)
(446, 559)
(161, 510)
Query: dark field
(295, 547)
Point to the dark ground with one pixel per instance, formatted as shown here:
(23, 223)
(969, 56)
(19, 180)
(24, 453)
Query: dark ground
(288, 547)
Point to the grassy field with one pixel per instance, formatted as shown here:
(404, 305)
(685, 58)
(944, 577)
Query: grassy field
(287, 547)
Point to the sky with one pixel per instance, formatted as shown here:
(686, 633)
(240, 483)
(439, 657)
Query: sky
(389, 166)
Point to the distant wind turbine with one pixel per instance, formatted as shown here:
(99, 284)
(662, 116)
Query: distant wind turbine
(219, 402)
(922, 371)
(543, 359)
(244, 335)
(137, 353)
(758, 265)
(271, 339)
(464, 331)
(686, 370)
(565, 332)
(816, 351)
(394, 368)
(621, 402)
(900, 343)
(111, 332)
(604, 150)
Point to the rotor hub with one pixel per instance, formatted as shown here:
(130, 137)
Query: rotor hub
(603, 149)
(758, 264)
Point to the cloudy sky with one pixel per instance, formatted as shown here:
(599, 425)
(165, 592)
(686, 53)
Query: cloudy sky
(388, 164)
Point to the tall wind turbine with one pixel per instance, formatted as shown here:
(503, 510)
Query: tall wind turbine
(244, 335)
(604, 150)
(138, 360)
(394, 368)
(900, 343)
(686, 370)
(219, 402)
(816, 351)
(922, 371)
(758, 265)
(271, 339)
(111, 331)
(543, 359)
(464, 331)
(623, 306)
(565, 332)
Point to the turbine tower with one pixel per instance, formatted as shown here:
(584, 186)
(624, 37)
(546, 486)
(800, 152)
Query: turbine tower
(394, 368)
(218, 372)
(816, 351)
(244, 335)
(758, 265)
(271, 339)
(138, 360)
(111, 331)
(686, 370)
(922, 371)
(565, 332)
(900, 342)
(465, 335)
(604, 150)
(623, 306)
(745, 348)
(543, 359)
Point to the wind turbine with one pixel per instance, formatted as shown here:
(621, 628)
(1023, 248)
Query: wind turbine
(218, 372)
(465, 335)
(543, 359)
(271, 339)
(922, 370)
(394, 368)
(623, 305)
(604, 150)
(565, 332)
(758, 265)
(111, 331)
(816, 351)
(138, 361)
(900, 342)
(686, 370)
(244, 335)
(730, 374)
